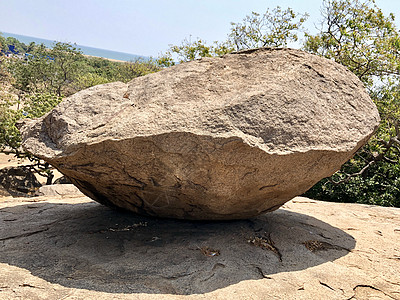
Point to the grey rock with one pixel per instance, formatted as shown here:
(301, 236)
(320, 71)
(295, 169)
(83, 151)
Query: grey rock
(217, 138)
(73, 248)
(58, 190)
(62, 180)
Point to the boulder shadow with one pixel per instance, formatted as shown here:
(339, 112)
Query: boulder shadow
(89, 246)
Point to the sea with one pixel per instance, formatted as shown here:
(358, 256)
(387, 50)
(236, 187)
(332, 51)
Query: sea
(85, 49)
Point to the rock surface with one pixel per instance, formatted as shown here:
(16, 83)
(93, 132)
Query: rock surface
(58, 190)
(74, 248)
(216, 138)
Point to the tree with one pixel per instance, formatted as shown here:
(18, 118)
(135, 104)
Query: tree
(126, 71)
(2, 44)
(10, 140)
(275, 28)
(97, 70)
(33, 85)
(359, 36)
(87, 80)
(48, 70)
(190, 50)
(65, 60)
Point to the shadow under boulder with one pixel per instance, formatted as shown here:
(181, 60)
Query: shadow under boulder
(84, 245)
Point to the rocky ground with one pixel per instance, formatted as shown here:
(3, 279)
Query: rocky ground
(74, 248)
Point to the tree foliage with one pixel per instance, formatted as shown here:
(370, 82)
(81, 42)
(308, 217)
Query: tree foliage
(359, 36)
(37, 82)
(105, 70)
(32, 84)
(2, 44)
(63, 70)
(274, 28)
(48, 70)
(190, 50)
(18, 46)
(10, 140)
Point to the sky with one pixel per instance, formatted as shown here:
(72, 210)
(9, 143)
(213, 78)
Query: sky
(145, 27)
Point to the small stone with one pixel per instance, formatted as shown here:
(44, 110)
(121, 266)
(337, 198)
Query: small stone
(59, 190)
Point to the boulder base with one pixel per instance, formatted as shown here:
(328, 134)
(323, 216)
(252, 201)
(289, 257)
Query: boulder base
(216, 138)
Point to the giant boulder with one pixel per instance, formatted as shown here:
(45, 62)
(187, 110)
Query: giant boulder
(217, 138)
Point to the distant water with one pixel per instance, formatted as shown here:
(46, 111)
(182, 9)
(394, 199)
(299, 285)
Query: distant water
(86, 50)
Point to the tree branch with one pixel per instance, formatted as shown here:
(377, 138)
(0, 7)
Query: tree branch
(380, 157)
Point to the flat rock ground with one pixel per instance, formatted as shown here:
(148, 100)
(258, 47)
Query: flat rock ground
(74, 248)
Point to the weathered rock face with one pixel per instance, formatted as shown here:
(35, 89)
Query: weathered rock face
(216, 138)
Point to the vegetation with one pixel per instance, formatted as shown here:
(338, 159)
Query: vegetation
(18, 46)
(358, 35)
(36, 80)
(275, 28)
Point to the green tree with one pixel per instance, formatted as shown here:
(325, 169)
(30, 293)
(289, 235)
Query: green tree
(32, 86)
(11, 112)
(2, 44)
(48, 70)
(65, 62)
(139, 67)
(30, 74)
(46, 75)
(10, 140)
(18, 46)
(274, 28)
(101, 67)
(98, 70)
(9, 134)
(190, 50)
(88, 79)
(359, 36)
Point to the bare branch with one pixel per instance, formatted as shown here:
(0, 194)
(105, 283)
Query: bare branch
(380, 157)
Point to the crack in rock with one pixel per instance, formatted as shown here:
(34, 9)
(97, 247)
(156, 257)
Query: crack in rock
(370, 287)
(260, 271)
(314, 245)
(24, 234)
(326, 285)
(31, 286)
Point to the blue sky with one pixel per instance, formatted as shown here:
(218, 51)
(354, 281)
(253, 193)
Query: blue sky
(143, 27)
